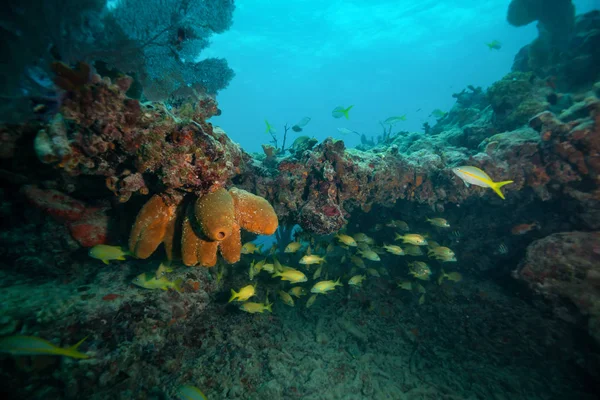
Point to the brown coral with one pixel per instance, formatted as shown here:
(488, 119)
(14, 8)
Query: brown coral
(212, 223)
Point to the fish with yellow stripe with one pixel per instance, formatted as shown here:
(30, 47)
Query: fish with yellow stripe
(34, 346)
(477, 177)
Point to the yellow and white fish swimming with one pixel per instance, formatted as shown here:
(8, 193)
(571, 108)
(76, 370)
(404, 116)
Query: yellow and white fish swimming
(35, 346)
(340, 112)
(361, 237)
(396, 250)
(477, 177)
(254, 270)
(373, 272)
(188, 392)
(291, 275)
(311, 300)
(420, 270)
(163, 269)
(244, 294)
(398, 224)
(412, 250)
(251, 248)
(106, 253)
(412, 238)
(325, 286)
(317, 273)
(297, 291)
(369, 255)
(452, 276)
(440, 251)
(358, 262)
(287, 299)
(292, 247)
(346, 239)
(269, 129)
(356, 280)
(253, 308)
(310, 259)
(150, 282)
(270, 268)
(439, 222)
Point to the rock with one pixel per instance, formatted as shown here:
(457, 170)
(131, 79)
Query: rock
(567, 266)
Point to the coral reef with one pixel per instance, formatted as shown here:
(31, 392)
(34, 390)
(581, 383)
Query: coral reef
(212, 222)
(567, 266)
(569, 59)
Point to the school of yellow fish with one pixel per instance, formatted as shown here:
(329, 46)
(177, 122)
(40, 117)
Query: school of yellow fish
(359, 250)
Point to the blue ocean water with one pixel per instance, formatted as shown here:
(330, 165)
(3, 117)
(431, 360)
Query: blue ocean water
(388, 58)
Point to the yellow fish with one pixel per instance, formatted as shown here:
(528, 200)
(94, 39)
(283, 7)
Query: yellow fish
(413, 250)
(251, 248)
(373, 272)
(311, 300)
(163, 283)
(253, 308)
(396, 223)
(361, 237)
(369, 255)
(420, 270)
(244, 294)
(406, 285)
(412, 238)
(358, 262)
(477, 177)
(347, 240)
(396, 250)
(317, 273)
(297, 291)
(441, 251)
(287, 299)
(162, 270)
(35, 346)
(325, 286)
(254, 270)
(291, 275)
(310, 259)
(356, 280)
(269, 129)
(270, 268)
(340, 112)
(452, 276)
(422, 300)
(188, 392)
(432, 244)
(106, 253)
(439, 222)
(420, 288)
(292, 247)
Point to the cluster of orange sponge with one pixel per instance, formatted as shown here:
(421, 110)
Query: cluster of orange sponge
(211, 223)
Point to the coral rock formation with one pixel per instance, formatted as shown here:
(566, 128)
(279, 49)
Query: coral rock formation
(212, 223)
(567, 265)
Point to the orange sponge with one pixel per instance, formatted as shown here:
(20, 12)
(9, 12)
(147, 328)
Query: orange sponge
(194, 250)
(150, 227)
(253, 212)
(215, 215)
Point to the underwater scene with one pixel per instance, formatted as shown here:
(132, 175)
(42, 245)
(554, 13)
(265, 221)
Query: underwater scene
(352, 199)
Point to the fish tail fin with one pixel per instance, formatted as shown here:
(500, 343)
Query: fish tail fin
(177, 284)
(497, 185)
(347, 110)
(233, 296)
(73, 352)
(260, 247)
(105, 261)
(268, 306)
(122, 258)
